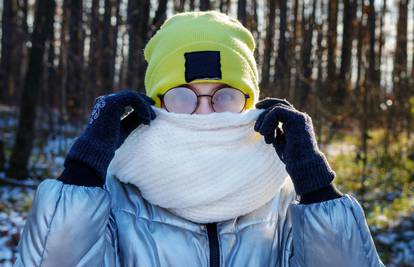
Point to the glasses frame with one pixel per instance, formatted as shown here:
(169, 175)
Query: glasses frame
(161, 96)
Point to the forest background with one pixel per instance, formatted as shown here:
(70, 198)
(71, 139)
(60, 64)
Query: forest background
(347, 63)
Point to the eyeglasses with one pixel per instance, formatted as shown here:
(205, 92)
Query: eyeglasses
(185, 100)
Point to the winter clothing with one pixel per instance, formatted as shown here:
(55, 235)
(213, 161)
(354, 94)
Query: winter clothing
(296, 146)
(73, 225)
(202, 167)
(78, 173)
(97, 144)
(325, 193)
(201, 46)
(89, 226)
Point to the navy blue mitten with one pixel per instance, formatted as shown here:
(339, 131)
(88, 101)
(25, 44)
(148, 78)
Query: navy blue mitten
(295, 144)
(90, 155)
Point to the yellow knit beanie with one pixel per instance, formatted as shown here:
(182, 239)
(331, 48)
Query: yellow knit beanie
(201, 46)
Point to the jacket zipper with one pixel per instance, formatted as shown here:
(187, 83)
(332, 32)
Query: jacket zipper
(213, 245)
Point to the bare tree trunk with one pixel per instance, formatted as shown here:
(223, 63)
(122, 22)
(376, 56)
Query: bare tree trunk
(224, 6)
(109, 37)
(372, 39)
(241, 11)
(124, 65)
(138, 22)
(8, 29)
(19, 52)
(26, 128)
(160, 16)
(50, 92)
(255, 29)
(133, 24)
(144, 26)
(75, 88)
(292, 51)
(363, 149)
(282, 67)
(204, 4)
(400, 72)
(373, 84)
(25, 27)
(319, 83)
(192, 5)
(307, 65)
(332, 36)
(178, 5)
(94, 86)
(268, 44)
(63, 60)
(344, 76)
(255, 26)
(381, 40)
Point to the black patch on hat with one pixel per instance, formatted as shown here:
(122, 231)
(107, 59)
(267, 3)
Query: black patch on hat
(202, 65)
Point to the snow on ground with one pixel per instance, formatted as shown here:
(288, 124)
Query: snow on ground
(396, 244)
(14, 205)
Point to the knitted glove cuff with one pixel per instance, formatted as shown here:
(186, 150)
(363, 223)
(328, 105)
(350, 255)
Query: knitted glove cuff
(323, 194)
(79, 173)
(311, 174)
(93, 153)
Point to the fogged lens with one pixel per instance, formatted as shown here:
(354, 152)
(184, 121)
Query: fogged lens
(228, 99)
(180, 100)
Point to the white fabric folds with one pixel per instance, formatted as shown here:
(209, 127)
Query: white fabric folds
(202, 167)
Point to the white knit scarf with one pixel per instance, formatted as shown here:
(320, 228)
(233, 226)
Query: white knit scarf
(202, 167)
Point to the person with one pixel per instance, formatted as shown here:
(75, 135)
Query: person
(200, 173)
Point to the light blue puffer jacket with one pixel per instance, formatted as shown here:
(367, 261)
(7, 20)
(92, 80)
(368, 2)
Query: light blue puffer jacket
(73, 225)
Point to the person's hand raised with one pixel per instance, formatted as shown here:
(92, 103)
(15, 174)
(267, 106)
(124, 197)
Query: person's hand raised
(295, 144)
(105, 131)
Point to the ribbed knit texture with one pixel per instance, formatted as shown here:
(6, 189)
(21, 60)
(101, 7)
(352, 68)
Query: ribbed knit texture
(79, 173)
(203, 167)
(96, 146)
(93, 152)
